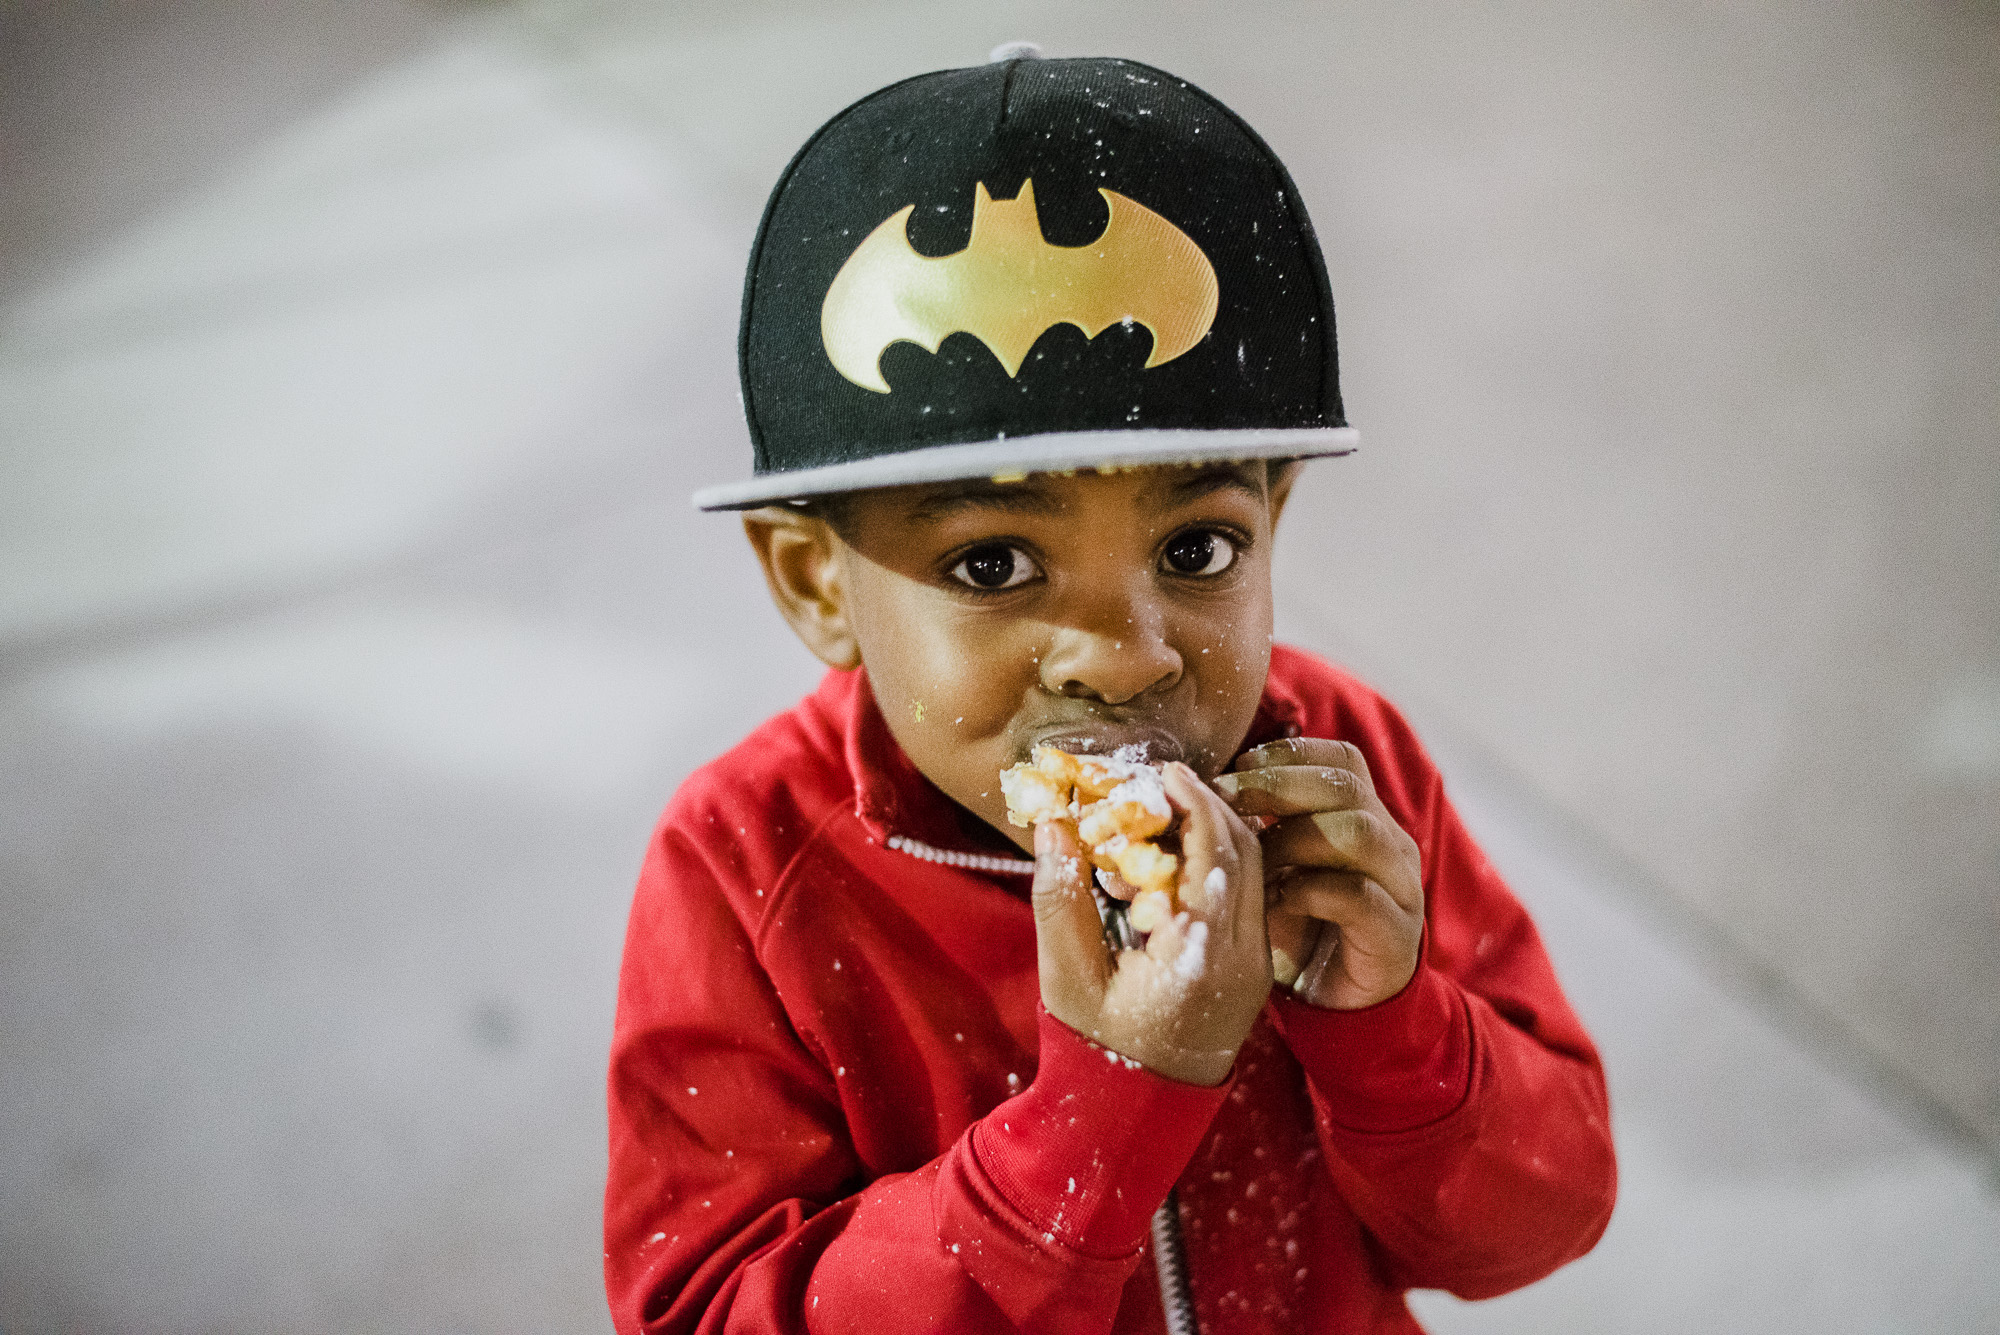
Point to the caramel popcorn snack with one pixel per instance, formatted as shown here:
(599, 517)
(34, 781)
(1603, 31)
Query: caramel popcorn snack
(1117, 807)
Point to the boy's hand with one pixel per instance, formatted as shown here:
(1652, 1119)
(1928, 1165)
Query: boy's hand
(1347, 891)
(1184, 1004)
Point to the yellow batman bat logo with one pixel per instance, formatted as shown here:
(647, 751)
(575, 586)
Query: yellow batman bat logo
(1009, 284)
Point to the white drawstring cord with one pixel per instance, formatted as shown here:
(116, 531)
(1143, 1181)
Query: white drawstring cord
(969, 861)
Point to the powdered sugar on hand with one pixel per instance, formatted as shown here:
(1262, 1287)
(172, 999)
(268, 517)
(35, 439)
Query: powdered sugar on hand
(1194, 952)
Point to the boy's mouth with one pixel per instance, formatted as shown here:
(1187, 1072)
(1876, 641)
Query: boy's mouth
(1152, 746)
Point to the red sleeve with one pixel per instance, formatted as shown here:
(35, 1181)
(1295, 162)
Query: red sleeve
(1465, 1119)
(736, 1202)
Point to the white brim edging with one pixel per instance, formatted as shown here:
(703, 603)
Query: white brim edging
(1048, 452)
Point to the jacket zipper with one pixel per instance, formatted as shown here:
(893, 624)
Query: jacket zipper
(1169, 1249)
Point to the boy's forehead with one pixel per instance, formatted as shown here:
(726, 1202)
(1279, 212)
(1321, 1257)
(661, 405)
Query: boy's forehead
(1155, 488)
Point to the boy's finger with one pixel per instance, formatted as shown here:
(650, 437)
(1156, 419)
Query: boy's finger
(1069, 935)
(1116, 886)
(1288, 790)
(1165, 942)
(1360, 841)
(1293, 937)
(1220, 852)
(1346, 897)
(1367, 945)
(1306, 751)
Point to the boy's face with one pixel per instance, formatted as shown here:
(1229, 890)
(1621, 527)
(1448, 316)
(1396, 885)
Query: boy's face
(1090, 612)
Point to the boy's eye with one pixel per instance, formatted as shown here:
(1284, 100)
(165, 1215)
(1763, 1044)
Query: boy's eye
(994, 566)
(1200, 551)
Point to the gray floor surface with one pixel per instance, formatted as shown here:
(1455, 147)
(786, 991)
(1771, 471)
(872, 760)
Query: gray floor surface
(355, 628)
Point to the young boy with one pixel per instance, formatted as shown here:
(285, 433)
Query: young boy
(1030, 355)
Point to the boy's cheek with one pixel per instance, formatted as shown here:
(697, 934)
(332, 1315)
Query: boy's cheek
(968, 688)
(949, 701)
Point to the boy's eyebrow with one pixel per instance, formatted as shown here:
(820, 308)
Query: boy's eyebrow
(1018, 497)
(1247, 478)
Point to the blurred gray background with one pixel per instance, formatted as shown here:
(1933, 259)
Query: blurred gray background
(356, 361)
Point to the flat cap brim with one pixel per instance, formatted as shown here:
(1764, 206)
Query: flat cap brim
(1017, 456)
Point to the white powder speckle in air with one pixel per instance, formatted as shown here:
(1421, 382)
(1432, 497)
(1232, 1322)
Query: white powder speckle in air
(1072, 1186)
(657, 1237)
(693, 1090)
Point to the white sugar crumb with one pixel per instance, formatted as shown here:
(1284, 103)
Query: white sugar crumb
(1194, 953)
(1215, 883)
(693, 1090)
(657, 1237)
(1146, 790)
(1072, 1186)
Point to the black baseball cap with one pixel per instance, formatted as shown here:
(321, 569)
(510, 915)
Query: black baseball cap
(1026, 266)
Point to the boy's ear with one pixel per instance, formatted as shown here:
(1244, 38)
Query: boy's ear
(1282, 477)
(799, 553)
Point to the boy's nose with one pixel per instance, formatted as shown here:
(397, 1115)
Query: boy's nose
(1114, 657)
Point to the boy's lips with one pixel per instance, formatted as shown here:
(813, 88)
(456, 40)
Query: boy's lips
(1156, 745)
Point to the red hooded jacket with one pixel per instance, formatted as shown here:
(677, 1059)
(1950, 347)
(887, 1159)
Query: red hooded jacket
(836, 1104)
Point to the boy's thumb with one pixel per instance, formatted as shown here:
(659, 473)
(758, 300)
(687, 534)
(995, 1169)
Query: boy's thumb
(1069, 936)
